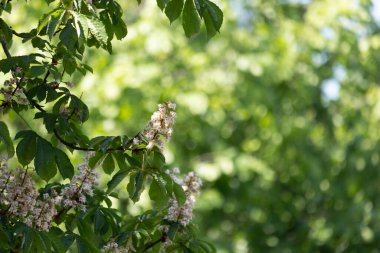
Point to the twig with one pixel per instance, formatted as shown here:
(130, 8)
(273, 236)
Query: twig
(152, 244)
(41, 109)
(5, 48)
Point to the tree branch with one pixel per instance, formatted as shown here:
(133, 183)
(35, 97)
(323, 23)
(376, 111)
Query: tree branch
(41, 109)
(5, 48)
(152, 244)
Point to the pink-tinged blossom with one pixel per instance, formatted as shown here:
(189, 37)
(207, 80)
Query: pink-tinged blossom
(113, 247)
(21, 194)
(183, 214)
(44, 212)
(74, 195)
(10, 92)
(160, 127)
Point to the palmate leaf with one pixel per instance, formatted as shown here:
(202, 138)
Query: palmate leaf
(179, 193)
(22, 61)
(158, 194)
(6, 139)
(44, 162)
(26, 148)
(54, 22)
(213, 18)
(108, 164)
(135, 186)
(173, 9)
(162, 4)
(191, 20)
(85, 24)
(98, 30)
(117, 179)
(63, 163)
(5, 31)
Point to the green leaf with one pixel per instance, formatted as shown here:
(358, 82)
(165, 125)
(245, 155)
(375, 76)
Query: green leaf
(81, 26)
(191, 21)
(158, 159)
(106, 20)
(6, 139)
(100, 222)
(109, 164)
(12, 62)
(37, 42)
(67, 3)
(106, 143)
(54, 22)
(37, 70)
(68, 36)
(167, 181)
(49, 121)
(54, 241)
(86, 246)
(158, 194)
(5, 241)
(70, 64)
(95, 142)
(26, 148)
(67, 241)
(98, 30)
(213, 18)
(27, 241)
(179, 193)
(44, 162)
(135, 186)
(60, 104)
(120, 159)
(173, 9)
(63, 163)
(96, 160)
(173, 228)
(162, 4)
(120, 28)
(5, 31)
(116, 180)
(43, 244)
(80, 107)
(46, 18)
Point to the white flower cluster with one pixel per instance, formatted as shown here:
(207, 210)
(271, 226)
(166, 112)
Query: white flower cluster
(10, 92)
(20, 196)
(160, 127)
(113, 247)
(44, 211)
(184, 214)
(80, 186)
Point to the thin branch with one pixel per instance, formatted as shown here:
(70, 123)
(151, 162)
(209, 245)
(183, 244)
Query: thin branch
(69, 144)
(5, 48)
(152, 244)
(41, 109)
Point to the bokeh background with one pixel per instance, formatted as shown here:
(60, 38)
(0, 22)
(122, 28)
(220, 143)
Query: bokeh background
(279, 114)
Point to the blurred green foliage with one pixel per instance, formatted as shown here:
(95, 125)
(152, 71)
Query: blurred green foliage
(279, 114)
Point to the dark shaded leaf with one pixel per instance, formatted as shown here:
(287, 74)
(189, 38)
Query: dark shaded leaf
(44, 162)
(26, 148)
(158, 194)
(191, 21)
(173, 9)
(66, 169)
(179, 193)
(116, 180)
(6, 139)
(135, 186)
(108, 164)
